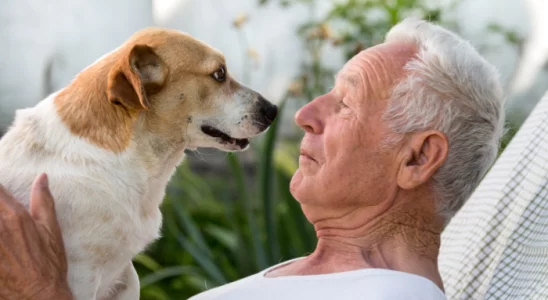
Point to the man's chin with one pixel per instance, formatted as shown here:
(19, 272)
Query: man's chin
(295, 185)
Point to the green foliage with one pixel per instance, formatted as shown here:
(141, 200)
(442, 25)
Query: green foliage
(351, 26)
(222, 227)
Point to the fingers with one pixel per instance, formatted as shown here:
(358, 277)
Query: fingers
(42, 206)
(8, 203)
(5, 197)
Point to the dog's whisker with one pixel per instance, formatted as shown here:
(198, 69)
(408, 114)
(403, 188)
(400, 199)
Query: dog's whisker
(258, 123)
(199, 154)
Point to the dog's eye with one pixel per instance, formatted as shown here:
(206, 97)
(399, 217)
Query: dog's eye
(220, 74)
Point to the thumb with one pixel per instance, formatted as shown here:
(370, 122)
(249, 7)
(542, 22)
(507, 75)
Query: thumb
(42, 206)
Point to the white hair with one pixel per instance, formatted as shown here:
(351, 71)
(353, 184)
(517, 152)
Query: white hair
(450, 87)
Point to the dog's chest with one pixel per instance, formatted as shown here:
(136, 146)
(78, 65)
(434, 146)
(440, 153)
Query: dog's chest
(145, 216)
(140, 217)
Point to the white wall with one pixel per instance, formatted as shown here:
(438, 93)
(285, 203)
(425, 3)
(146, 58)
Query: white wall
(57, 37)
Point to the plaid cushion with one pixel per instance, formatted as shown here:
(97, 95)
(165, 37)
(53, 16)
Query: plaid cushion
(496, 247)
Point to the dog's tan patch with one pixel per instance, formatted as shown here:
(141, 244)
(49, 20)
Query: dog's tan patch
(84, 108)
(104, 101)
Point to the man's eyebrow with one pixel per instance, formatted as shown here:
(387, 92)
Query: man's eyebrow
(352, 81)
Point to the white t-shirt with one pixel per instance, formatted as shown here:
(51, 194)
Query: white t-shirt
(369, 284)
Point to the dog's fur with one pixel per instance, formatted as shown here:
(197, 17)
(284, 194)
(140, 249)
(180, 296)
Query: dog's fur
(111, 140)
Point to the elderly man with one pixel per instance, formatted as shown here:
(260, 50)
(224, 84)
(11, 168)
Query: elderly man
(388, 156)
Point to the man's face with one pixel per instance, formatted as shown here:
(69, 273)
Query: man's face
(342, 163)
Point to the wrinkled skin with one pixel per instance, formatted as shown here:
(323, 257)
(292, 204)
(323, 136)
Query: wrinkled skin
(33, 264)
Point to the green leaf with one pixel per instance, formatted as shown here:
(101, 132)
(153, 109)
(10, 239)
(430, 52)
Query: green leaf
(266, 184)
(203, 260)
(147, 261)
(224, 236)
(189, 226)
(260, 254)
(208, 264)
(162, 274)
(154, 293)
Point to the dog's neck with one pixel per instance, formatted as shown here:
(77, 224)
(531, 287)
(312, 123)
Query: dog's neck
(160, 155)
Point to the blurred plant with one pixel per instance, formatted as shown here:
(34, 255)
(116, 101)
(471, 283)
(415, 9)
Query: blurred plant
(232, 224)
(511, 38)
(351, 26)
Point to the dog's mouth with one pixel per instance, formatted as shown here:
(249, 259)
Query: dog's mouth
(223, 137)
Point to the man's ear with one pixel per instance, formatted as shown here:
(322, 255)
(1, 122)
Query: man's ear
(422, 154)
(136, 75)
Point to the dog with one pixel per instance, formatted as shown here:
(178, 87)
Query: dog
(111, 140)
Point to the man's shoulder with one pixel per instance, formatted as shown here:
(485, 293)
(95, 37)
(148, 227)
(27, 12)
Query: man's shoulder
(377, 284)
(395, 285)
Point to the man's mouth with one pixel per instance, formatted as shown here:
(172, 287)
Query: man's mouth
(305, 154)
(223, 137)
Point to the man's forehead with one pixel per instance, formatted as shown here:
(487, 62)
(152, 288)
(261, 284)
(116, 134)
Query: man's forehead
(350, 72)
(392, 52)
(385, 61)
(401, 49)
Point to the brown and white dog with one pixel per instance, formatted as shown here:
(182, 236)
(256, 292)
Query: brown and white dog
(111, 140)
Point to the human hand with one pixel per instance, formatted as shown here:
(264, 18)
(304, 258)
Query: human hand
(33, 263)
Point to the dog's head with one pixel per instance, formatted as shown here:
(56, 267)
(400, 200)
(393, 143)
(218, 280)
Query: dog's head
(184, 92)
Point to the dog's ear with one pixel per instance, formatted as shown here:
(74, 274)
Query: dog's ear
(136, 75)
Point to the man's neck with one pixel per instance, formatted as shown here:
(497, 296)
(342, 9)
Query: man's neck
(403, 238)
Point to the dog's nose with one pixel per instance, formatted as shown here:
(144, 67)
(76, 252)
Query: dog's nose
(270, 111)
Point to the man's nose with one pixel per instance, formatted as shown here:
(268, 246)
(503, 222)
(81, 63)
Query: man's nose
(308, 118)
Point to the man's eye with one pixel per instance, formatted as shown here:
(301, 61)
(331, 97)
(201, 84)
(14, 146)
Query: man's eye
(344, 109)
(220, 74)
(342, 105)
